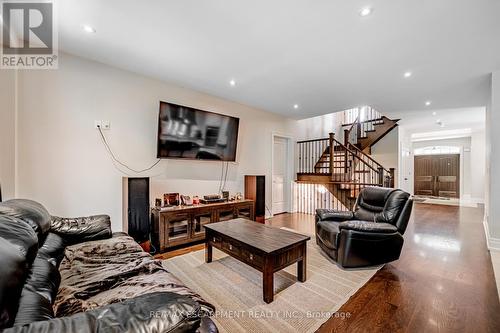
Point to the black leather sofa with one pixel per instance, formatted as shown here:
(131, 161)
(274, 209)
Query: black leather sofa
(370, 235)
(32, 246)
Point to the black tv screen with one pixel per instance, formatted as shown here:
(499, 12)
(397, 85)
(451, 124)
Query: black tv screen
(184, 132)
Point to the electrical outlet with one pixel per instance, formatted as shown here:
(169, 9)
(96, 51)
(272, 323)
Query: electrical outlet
(106, 124)
(97, 124)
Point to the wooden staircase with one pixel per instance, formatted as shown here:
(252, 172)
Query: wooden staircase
(344, 168)
(365, 134)
(345, 174)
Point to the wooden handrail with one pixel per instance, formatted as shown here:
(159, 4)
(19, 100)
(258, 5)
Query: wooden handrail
(364, 121)
(352, 125)
(312, 140)
(369, 157)
(335, 182)
(355, 155)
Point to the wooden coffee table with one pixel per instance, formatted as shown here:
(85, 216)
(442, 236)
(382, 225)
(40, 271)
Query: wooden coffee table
(265, 248)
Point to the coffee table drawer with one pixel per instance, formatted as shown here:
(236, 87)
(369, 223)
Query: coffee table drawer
(233, 249)
(252, 258)
(216, 241)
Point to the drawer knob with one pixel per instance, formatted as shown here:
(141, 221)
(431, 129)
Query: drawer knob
(251, 257)
(230, 247)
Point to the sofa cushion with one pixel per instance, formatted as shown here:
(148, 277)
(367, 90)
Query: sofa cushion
(328, 232)
(333, 215)
(14, 270)
(32, 307)
(155, 312)
(30, 212)
(20, 235)
(82, 229)
(380, 204)
(365, 226)
(44, 279)
(52, 248)
(110, 271)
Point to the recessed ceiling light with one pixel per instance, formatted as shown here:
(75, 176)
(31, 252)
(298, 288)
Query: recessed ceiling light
(88, 28)
(296, 106)
(407, 74)
(232, 83)
(434, 113)
(428, 103)
(365, 11)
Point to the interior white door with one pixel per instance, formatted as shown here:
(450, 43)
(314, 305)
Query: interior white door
(406, 178)
(279, 175)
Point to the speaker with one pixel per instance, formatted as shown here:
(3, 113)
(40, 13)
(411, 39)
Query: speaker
(138, 214)
(255, 189)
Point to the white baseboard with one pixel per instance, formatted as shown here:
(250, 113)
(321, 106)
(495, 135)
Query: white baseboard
(492, 242)
(477, 200)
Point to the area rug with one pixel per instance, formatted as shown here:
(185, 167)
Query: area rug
(236, 291)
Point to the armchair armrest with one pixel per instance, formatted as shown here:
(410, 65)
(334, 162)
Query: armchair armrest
(82, 229)
(155, 312)
(333, 215)
(366, 226)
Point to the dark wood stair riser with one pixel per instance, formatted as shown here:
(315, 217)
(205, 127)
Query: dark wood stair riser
(379, 131)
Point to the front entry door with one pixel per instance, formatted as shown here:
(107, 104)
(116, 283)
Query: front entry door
(437, 175)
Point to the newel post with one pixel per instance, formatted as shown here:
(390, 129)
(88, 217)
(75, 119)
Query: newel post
(391, 174)
(381, 176)
(332, 149)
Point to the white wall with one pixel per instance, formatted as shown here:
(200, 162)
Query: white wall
(7, 133)
(63, 164)
(386, 152)
(478, 165)
(405, 165)
(320, 127)
(493, 155)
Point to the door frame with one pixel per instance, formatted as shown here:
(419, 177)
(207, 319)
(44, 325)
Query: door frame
(405, 169)
(288, 170)
(460, 171)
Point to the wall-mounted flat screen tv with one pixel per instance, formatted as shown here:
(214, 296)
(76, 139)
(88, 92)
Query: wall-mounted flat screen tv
(189, 133)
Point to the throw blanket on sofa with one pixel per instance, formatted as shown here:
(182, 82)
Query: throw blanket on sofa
(107, 271)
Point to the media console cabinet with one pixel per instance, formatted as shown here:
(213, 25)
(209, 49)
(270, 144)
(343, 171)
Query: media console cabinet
(179, 225)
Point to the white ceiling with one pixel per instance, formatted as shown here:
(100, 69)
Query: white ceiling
(319, 54)
(423, 120)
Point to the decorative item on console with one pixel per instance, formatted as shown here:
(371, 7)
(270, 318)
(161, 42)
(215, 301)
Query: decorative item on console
(186, 200)
(196, 200)
(212, 198)
(171, 199)
(157, 202)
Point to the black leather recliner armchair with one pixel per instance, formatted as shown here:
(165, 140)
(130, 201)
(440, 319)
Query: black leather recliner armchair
(371, 234)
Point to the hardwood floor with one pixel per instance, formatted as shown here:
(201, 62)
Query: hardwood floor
(443, 281)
